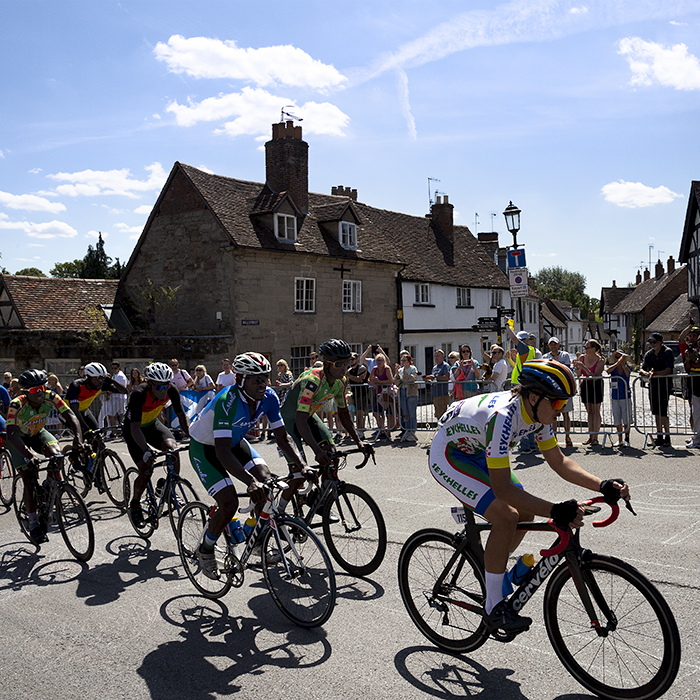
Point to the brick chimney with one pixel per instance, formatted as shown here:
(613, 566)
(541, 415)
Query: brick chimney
(341, 191)
(441, 214)
(670, 264)
(658, 269)
(646, 274)
(489, 241)
(639, 278)
(287, 163)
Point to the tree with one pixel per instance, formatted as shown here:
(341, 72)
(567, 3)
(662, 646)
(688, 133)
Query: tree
(558, 283)
(31, 271)
(95, 265)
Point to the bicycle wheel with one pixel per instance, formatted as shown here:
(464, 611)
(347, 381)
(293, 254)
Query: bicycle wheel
(190, 528)
(450, 617)
(75, 523)
(76, 476)
(7, 474)
(181, 493)
(354, 530)
(298, 572)
(18, 504)
(113, 471)
(149, 507)
(638, 651)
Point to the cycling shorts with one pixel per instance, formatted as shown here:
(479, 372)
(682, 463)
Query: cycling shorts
(212, 472)
(155, 435)
(465, 476)
(34, 442)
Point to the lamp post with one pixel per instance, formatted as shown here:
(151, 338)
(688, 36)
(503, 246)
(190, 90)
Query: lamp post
(512, 216)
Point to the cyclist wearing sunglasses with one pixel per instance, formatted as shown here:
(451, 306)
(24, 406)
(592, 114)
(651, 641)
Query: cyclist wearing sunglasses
(470, 457)
(142, 427)
(308, 394)
(26, 418)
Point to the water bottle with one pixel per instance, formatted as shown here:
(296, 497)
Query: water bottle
(513, 578)
(235, 529)
(160, 485)
(91, 461)
(249, 525)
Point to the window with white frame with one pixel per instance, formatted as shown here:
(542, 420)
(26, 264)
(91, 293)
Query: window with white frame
(446, 348)
(422, 294)
(300, 359)
(286, 227)
(464, 297)
(347, 234)
(356, 347)
(304, 295)
(496, 298)
(352, 296)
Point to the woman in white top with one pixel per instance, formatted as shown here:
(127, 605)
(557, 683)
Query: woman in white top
(202, 381)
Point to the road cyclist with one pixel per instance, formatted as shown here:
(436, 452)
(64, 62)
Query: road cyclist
(219, 450)
(26, 420)
(470, 457)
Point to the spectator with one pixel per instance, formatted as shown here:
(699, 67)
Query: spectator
(115, 404)
(202, 381)
(499, 372)
(313, 360)
(7, 379)
(81, 371)
(357, 375)
(656, 366)
(135, 379)
(589, 367)
(4, 405)
(407, 380)
(54, 385)
(691, 362)
(226, 376)
(465, 371)
(181, 377)
(14, 390)
(452, 361)
(556, 353)
(382, 379)
(284, 380)
(439, 378)
(53, 422)
(371, 362)
(619, 372)
(524, 352)
(688, 340)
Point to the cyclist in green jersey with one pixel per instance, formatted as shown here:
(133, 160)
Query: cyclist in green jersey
(308, 394)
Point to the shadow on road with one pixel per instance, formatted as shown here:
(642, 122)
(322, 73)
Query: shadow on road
(22, 564)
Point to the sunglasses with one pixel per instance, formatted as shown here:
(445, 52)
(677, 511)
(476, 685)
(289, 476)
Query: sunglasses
(557, 404)
(37, 389)
(339, 364)
(161, 387)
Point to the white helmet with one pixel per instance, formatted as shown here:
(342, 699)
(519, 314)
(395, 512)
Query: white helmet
(251, 363)
(96, 369)
(159, 372)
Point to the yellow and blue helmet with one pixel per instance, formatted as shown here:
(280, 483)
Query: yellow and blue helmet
(549, 378)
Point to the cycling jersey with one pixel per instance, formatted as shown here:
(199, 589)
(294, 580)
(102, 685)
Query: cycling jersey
(29, 420)
(476, 435)
(144, 407)
(227, 415)
(80, 395)
(311, 390)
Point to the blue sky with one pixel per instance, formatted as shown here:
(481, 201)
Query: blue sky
(584, 114)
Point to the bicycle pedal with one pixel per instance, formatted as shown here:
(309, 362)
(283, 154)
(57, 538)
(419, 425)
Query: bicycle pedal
(505, 637)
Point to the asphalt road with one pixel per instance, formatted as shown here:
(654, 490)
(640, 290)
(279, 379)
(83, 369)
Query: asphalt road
(130, 625)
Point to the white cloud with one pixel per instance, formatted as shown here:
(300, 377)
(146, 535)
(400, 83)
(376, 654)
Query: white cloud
(35, 245)
(125, 228)
(51, 229)
(406, 104)
(583, 10)
(655, 63)
(678, 24)
(91, 183)
(254, 109)
(35, 171)
(30, 202)
(143, 209)
(203, 57)
(96, 234)
(2, 155)
(634, 194)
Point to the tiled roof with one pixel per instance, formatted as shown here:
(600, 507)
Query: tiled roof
(644, 292)
(555, 311)
(610, 297)
(50, 303)
(383, 236)
(675, 318)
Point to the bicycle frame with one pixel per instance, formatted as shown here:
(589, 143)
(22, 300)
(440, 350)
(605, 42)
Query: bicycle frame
(170, 478)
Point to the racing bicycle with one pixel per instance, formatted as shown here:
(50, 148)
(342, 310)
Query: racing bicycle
(353, 525)
(171, 493)
(102, 468)
(610, 627)
(297, 569)
(7, 473)
(56, 502)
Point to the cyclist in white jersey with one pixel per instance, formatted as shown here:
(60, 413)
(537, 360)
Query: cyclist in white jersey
(470, 457)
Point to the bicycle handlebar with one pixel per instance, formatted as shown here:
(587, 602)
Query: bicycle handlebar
(356, 450)
(564, 535)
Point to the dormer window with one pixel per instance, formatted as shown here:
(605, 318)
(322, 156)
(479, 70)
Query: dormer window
(286, 227)
(347, 235)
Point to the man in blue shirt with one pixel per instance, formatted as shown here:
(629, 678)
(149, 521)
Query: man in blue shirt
(440, 387)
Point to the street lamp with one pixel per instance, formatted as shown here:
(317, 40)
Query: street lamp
(512, 215)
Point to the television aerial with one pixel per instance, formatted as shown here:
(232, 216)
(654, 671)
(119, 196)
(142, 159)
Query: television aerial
(289, 115)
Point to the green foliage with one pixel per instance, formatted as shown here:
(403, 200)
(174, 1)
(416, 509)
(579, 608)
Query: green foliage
(99, 332)
(558, 283)
(31, 271)
(95, 265)
(154, 297)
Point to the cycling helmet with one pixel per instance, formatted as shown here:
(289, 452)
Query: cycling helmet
(96, 369)
(158, 372)
(333, 350)
(251, 363)
(31, 378)
(549, 378)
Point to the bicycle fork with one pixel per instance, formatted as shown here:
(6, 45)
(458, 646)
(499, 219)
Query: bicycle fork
(586, 585)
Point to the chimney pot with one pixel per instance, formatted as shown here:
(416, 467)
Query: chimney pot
(638, 280)
(646, 275)
(670, 264)
(658, 269)
(442, 216)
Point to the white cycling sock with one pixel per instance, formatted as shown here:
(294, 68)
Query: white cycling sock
(494, 591)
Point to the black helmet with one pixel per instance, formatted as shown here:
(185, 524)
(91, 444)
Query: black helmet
(333, 350)
(549, 378)
(31, 378)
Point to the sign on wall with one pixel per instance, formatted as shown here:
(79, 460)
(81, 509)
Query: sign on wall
(518, 283)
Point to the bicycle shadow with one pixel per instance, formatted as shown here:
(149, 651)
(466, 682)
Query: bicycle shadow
(135, 562)
(351, 587)
(102, 511)
(215, 649)
(22, 564)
